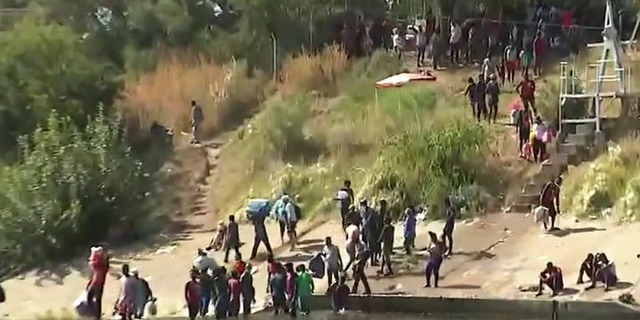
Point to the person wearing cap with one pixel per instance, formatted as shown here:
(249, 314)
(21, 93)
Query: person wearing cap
(409, 229)
(493, 93)
(142, 296)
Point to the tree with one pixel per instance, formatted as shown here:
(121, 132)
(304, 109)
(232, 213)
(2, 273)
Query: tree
(45, 67)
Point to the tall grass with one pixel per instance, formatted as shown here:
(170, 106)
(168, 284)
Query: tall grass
(609, 187)
(320, 72)
(404, 144)
(225, 93)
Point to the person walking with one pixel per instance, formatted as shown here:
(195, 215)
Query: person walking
(99, 264)
(386, 238)
(260, 235)
(436, 49)
(511, 61)
(205, 280)
(128, 284)
(369, 229)
(332, 260)
(360, 263)
(421, 46)
(221, 293)
(248, 290)
(481, 99)
(470, 93)
(235, 293)
(539, 51)
(291, 289)
(192, 294)
(305, 287)
(493, 94)
(197, 118)
(527, 90)
(435, 252)
(292, 209)
(233, 238)
(280, 211)
(450, 213)
(409, 230)
(454, 43)
(143, 295)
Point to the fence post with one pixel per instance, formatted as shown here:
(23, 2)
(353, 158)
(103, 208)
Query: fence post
(274, 44)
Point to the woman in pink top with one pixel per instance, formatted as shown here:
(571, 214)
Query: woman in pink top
(234, 294)
(291, 290)
(99, 263)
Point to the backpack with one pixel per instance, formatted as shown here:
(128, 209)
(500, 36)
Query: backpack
(298, 212)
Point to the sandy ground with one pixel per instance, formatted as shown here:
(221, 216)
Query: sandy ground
(493, 256)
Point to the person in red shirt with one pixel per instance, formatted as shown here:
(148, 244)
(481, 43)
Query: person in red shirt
(550, 199)
(239, 266)
(539, 48)
(192, 295)
(567, 19)
(272, 267)
(551, 276)
(99, 263)
(527, 90)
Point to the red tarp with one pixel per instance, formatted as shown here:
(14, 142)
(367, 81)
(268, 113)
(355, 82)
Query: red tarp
(401, 79)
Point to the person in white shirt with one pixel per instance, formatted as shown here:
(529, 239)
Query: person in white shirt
(398, 43)
(353, 240)
(291, 209)
(332, 260)
(454, 42)
(203, 262)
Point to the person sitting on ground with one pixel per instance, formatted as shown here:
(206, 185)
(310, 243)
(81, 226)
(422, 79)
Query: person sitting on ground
(217, 243)
(605, 271)
(551, 276)
(587, 268)
(409, 229)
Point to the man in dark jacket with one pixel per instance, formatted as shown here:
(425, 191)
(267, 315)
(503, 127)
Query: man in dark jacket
(260, 235)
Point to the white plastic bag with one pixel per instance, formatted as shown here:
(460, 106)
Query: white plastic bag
(540, 214)
(82, 307)
(152, 308)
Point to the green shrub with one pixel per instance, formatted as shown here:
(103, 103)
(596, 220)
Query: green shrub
(607, 187)
(71, 187)
(422, 167)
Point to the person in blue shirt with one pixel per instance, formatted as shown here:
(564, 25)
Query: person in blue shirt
(409, 229)
(280, 212)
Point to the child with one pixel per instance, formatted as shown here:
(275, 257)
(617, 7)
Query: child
(248, 291)
(304, 284)
(235, 289)
(340, 295)
(192, 295)
(239, 266)
(527, 152)
(217, 243)
(409, 230)
(291, 290)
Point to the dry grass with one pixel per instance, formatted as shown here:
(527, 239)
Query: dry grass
(225, 93)
(320, 72)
